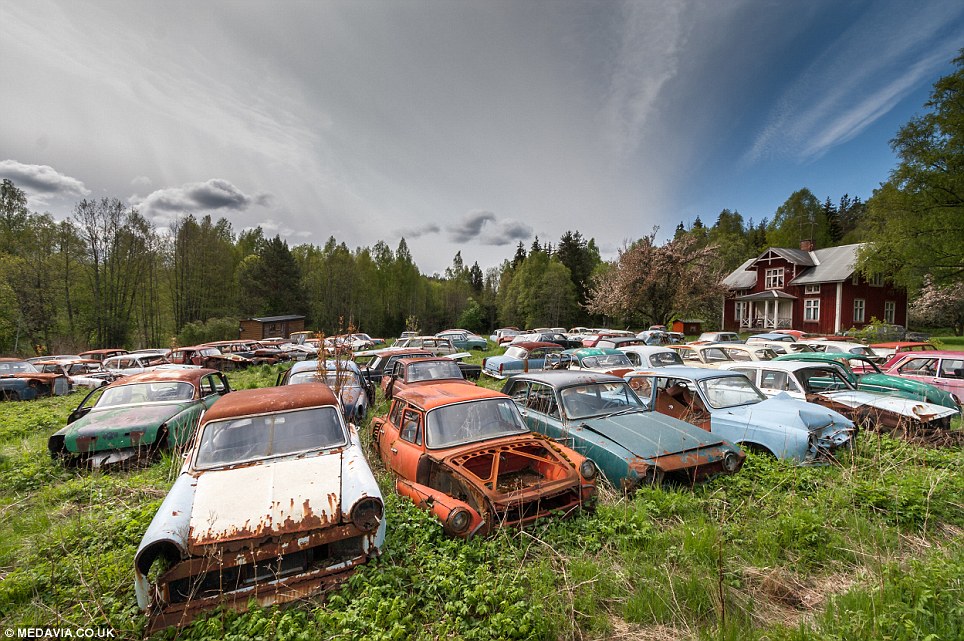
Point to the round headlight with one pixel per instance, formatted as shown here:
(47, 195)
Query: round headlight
(366, 514)
(588, 469)
(731, 462)
(459, 520)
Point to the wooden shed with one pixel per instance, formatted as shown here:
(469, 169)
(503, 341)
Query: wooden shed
(271, 327)
(689, 327)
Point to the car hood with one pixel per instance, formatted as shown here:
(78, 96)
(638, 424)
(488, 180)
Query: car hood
(286, 496)
(781, 410)
(919, 389)
(650, 434)
(120, 422)
(902, 406)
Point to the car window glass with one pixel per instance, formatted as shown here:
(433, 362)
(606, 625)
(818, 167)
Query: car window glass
(777, 380)
(952, 368)
(518, 391)
(207, 386)
(919, 366)
(542, 399)
(634, 358)
(458, 423)
(739, 355)
(270, 435)
(411, 427)
(396, 414)
(643, 386)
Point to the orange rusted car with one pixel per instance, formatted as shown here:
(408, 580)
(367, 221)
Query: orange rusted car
(416, 372)
(464, 453)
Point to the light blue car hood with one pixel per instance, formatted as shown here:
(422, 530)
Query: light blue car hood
(781, 410)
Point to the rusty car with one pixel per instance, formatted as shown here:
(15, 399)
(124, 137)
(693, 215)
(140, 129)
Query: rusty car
(464, 453)
(209, 357)
(22, 381)
(730, 406)
(601, 417)
(826, 385)
(135, 417)
(82, 372)
(274, 502)
(415, 372)
(518, 358)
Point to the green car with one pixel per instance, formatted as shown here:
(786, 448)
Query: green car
(869, 378)
(464, 340)
(137, 416)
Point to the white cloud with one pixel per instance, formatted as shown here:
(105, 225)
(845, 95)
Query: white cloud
(42, 181)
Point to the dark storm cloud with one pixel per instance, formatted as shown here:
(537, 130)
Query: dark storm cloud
(42, 180)
(214, 194)
(483, 227)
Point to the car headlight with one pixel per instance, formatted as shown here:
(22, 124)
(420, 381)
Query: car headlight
(366, 514)
(731, 462)
(458, 521)
(588, 469)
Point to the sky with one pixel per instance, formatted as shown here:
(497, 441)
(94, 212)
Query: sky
(461, 125)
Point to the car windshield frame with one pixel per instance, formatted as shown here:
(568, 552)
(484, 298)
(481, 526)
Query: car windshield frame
(8, 368)
(237, 451)
(145, 392)
(456, 424)
(595, 399)
(712, 389)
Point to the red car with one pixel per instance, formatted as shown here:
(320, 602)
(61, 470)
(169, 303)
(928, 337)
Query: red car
(464, 453)
(941, 368)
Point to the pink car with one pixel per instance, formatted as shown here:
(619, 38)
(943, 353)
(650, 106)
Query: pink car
(940, 368)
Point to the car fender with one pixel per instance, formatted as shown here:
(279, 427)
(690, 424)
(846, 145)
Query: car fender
(441, 505)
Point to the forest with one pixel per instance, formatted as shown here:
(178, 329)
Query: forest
(107, 276)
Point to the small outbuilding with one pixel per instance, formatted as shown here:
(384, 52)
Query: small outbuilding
(271, 326)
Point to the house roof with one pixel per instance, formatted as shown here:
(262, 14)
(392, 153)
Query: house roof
(275, 319)
(770, 293)
(829, 265)
(742, 277)
(836, 264)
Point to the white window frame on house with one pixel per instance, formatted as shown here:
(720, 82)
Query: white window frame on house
(860, 310)
(811, 309)
(811, 289)
(740, 308)
(773, 278)
(890, 311)
(877, 280)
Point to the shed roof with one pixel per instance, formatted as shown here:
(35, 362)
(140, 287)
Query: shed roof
(275, 319)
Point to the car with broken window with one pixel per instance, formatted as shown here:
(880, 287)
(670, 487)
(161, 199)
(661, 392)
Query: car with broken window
(592, 359)
(275, 502)
(521, 357)
(702, 355)
(355, 393)
(437, 345)
(464, 340)
(415, 372)
(602, 417)
(135, 417)
(826, 385)
(23, 381)
(941, 368)
(209, 357)
(864, 374)
(101, 354)
(255, 351)
(464, 453)
(730, 406)
(81, 372)
(747, 352)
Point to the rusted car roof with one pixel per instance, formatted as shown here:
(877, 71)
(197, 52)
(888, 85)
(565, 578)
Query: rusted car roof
(527, 345)
(431, 396)
(270, 399)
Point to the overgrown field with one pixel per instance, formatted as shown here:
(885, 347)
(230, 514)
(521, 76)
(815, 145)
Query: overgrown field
(870, 549)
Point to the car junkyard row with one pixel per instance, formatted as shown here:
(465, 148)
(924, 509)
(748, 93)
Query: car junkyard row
(276, 499)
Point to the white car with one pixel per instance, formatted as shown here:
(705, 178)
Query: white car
(128, 364)
(647, 356)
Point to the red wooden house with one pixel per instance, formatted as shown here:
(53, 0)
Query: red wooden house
(815, 290)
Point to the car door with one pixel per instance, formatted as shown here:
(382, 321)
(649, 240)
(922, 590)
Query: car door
(407, 448)
(950, 377)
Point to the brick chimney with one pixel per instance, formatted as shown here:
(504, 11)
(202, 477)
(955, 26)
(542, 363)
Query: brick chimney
(807, 245)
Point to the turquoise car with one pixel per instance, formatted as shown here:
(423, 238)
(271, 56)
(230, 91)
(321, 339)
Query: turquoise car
(874, 380)
(600, 416)
(464, 340)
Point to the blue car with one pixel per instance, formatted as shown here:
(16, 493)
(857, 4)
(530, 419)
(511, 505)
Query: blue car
(519, 358)
(345, 378)
(731, 407)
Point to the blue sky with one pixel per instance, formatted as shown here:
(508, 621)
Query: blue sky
(461, 125)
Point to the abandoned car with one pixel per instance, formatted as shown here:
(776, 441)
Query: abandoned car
(826, 385)
(275, 501)
(464, 453)
(731, 407)
(864, 374)
(602, 418)
(464, 339)
(136, 416)
(521, 357)
(356, 393)
(648, 356)
(942, 369)
(209, 357)
(416, 372)
(82, 372)
(594, 359)
(22, 381)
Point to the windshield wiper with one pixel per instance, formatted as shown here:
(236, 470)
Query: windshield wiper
(625, 410)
